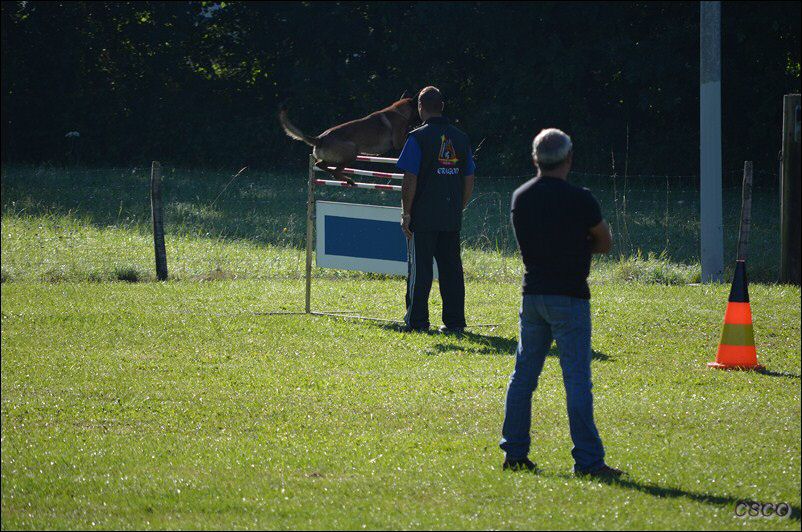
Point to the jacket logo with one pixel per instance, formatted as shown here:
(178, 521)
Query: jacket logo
(447, 156)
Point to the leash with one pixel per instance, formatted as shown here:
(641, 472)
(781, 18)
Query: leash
(227, 184)
(479, 147)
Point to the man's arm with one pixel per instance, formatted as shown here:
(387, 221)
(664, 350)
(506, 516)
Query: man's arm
(407, 197)
(467, 190)
(601, 238)
(409, 162)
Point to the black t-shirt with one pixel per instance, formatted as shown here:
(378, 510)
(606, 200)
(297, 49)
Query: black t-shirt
(552, 219)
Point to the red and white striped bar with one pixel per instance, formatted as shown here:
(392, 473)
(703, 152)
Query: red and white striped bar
(370, 186)
(372, 159)
(366, 173)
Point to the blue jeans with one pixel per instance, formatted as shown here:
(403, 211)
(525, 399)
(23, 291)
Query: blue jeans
(567, 320)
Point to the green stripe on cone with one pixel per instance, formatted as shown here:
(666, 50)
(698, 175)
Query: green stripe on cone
(736, 334)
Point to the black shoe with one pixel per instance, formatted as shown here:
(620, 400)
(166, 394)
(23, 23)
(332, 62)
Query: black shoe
(409, 328)
(519, 465)
(451, 330)
(603, 472)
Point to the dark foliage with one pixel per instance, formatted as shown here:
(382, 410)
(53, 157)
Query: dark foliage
(198, 83)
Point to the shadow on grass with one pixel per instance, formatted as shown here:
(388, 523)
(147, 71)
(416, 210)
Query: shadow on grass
(508, 346)
(595, 355)
(479, 344)
(787, 375)
(677, 493)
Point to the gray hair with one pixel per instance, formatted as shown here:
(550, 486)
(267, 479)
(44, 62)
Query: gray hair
(550, 148)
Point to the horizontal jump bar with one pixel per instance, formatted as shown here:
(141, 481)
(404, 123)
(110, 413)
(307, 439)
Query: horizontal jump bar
(366, 173)
(372, 186)
(371, 158)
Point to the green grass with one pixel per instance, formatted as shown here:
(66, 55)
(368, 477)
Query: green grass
(128, 403)
(183, 405)
(82, 224)
(50, 248)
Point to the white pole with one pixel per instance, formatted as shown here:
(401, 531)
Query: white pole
(310, 224)
(710, 142)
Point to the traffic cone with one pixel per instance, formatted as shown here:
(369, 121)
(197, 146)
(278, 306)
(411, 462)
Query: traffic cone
(737, 347)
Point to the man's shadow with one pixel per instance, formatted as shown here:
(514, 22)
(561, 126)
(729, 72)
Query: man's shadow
(481, 344)
(500, 345)
(676, 493)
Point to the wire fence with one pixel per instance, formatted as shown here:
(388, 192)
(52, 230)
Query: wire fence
(649, 214)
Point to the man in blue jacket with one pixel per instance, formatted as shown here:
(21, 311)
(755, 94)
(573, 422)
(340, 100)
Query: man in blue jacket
(438, 181)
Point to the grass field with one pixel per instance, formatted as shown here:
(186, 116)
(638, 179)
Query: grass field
(188, 404)
(94, 224)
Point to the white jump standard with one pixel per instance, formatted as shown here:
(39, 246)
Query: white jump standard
(353, 236)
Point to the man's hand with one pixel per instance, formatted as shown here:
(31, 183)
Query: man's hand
(407, 197)
(467, 190)
(405, 220)
(601, 238)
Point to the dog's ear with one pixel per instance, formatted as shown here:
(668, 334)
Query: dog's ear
(404, 95)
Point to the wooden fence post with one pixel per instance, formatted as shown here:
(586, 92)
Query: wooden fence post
(746, 212)
(158, 220)
(790, 192)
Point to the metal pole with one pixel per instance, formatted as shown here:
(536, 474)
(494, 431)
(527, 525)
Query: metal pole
(712, 231)
(790, 185)
(310, 220)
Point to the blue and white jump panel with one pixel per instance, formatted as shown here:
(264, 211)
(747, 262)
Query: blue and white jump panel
(367, 238)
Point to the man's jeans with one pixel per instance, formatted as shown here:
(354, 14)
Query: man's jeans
(567, 320)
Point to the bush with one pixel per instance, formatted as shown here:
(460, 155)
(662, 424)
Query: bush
(217, 274)
(655, 269)
(127, 274)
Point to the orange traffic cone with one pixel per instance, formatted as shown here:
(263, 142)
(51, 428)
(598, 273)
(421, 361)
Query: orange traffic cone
(737, 347)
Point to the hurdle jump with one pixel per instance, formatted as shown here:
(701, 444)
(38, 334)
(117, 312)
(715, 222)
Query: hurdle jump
(385, 255)
(311, 204)
(369, 173)
(369, 186)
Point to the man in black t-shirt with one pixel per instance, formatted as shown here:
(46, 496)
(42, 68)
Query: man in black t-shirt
(558, 227)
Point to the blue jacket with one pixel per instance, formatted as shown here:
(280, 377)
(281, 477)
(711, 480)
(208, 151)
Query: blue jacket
(440, 155)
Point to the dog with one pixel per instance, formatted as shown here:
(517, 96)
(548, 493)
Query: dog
(374, 134)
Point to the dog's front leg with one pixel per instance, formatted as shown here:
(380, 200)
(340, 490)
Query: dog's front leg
(399, 136)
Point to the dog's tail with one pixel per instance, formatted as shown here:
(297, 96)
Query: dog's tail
(292, 131)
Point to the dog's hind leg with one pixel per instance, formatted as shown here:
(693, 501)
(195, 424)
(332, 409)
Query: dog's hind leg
(337, 153)
(337, 172)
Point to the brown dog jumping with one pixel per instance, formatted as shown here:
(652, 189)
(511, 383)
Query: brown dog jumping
(374, 134)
